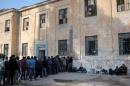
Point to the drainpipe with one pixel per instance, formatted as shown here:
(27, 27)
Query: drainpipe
(80, 33)
(111, 27)
(46, 42)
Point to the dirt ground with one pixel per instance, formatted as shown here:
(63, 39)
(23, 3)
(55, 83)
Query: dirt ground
(79, 79)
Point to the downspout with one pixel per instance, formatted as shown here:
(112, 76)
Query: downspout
(111, 27)
(34, 37)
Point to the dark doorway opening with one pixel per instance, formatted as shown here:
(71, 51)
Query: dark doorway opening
(42, 53)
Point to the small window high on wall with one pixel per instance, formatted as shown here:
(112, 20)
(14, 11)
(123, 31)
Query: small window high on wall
(7, 25)
(90, 8)
(42, 20)
(26, 23)
(63, 16)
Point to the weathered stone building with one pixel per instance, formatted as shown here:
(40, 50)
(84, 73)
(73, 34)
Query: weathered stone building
(95, 32)
(9, 28)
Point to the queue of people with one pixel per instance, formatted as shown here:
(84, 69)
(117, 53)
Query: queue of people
(13, 71)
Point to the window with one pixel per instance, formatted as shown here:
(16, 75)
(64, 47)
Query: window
(123, 5)
(91, 45)
(90, 8)
(25, 23)
(62, 47)
(6, 48)
(24, 49)
(7, 25)
(63, 16)
(124, 43)
(128, 5)
(120, 5)
(42, 20)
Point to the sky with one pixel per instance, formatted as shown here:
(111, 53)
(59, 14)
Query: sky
(17, 3)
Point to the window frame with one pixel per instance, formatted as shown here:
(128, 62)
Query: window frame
(45, 20)
(92, 39)
(64, 49)
(64, 15)
(121, 4)
(25, 28)
(7, 28)
(6, 48)
(93, 8)
(122, 37)
(24, 45)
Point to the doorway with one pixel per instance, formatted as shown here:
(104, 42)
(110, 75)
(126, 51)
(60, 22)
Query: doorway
(42, 53)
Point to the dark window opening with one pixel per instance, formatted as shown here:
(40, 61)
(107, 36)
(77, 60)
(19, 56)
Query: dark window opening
(7, 25)
(25, 23)
(42, 20)
(91, 45)
(120, 5)
(124, 43)
(63, 16)
(90, 8)
(62, 47)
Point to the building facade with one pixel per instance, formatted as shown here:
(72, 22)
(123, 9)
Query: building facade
(95, 32)
(9, 32)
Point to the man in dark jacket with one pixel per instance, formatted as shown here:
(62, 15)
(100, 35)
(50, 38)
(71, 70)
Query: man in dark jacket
(23, 66)
(13, 66)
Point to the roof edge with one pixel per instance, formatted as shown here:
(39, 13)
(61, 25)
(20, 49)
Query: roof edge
(38, 4)
(7, 11)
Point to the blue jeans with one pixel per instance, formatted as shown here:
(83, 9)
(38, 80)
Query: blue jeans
(32, 73)
(44, 72)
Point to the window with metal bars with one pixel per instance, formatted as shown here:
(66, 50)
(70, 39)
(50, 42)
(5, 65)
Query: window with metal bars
(120, 5)
(91, 45)
(124, 43)
(90, 8)
(62, 47)
(123, 5)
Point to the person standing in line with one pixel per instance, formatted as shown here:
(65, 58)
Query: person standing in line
(45, 67)
(49, 65)
(40, 61)
(64, 64)
(70, 64)
(37, 71)
(17, 74)
(32, 64)
(53, 66)
(28, 68)
(1, 70)
(23, 67)
(6, 71)
(12, 69)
